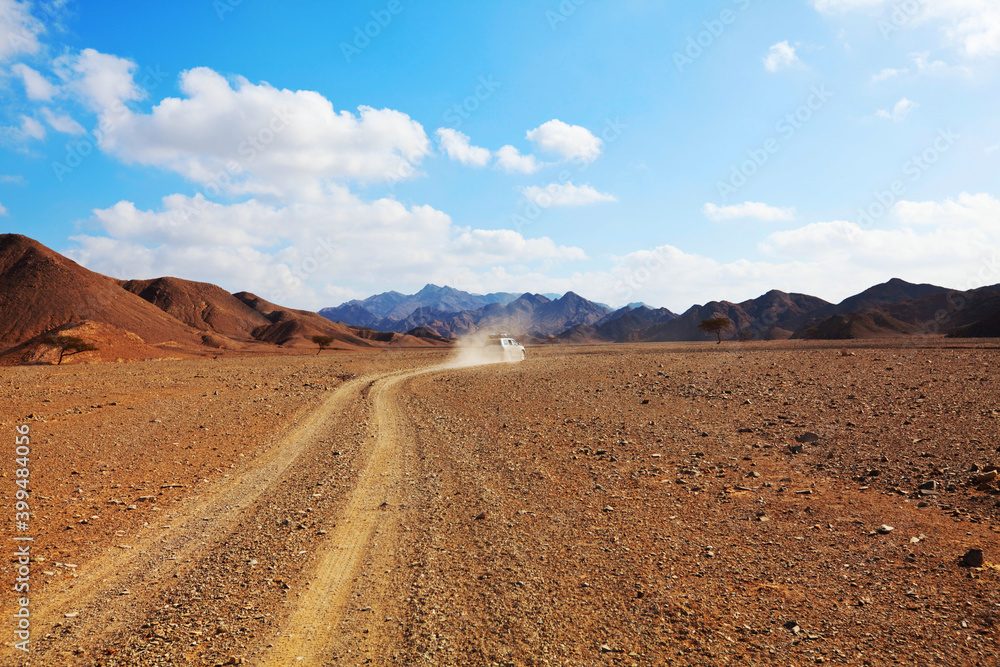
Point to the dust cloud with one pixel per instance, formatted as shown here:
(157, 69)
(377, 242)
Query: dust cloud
(474, 350)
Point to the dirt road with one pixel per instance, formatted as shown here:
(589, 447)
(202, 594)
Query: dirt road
(367, 522)
(628, 505)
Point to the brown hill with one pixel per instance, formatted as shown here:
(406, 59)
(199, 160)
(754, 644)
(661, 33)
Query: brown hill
(988, 327)
(203, 306)
(867, 324)
(112, 343)
(289, 327)
(41, 290)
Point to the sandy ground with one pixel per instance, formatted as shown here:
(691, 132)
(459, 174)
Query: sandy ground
(633, 505)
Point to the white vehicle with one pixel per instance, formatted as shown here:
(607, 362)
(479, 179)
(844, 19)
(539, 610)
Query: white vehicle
(504, 348)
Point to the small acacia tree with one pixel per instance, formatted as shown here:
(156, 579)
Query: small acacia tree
(716, 325)
(323, 342)
(68, 345)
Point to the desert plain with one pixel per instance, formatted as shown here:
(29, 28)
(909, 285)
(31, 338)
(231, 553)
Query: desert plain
(653, 504)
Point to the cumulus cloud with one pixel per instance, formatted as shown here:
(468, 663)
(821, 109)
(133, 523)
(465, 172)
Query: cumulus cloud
(487, 246)
(102, 81)
(950, 243)
(899, 112)
(572, 142)
(888, 73)
(754, 210)
(926, 66)
(36, 86)
(510, 160)
(458, 147)
(565, 194)
(19, 30)
(980, 209)
(254, 138)
(3, 210)
(62, 122)
(296, 253)
(30, 128)
(972, 26)
(781, 56)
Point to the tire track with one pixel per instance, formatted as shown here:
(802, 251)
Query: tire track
(312, 628)
(197, 526)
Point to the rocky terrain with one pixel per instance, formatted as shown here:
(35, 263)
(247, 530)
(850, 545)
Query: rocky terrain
(694, 504)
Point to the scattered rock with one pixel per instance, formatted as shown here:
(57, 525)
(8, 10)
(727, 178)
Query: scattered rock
(973, 558)
(807, 438)
(884, 529)
(986, 477)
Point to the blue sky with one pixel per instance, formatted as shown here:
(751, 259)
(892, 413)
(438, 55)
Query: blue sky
(663, 152)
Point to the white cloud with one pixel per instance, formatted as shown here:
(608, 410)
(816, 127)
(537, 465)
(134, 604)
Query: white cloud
(572, 142)
(102, 81)
(888, 73)
(13, 179)
(487, 246)
(973, 26)
(755, 210)
(31, 129)
(510, 160)
(3, 210)
(980, 209)
(899, 112)
(951, 243)
(36, 86)
(928, 67)
(295, 254)
(62, 122)
(780, 56)
(831, 6)
(567, 194)
(456, 145)
(19, 30)
(271, 141)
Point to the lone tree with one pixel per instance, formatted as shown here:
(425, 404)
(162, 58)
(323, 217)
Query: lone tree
(716, 325)
(323, 342)
(68, 345)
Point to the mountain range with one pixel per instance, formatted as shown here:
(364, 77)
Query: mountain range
(43, 292)
(893, 308)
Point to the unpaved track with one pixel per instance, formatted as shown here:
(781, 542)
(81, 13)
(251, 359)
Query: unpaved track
(120, 595)
(186, 536)
(312, 628)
